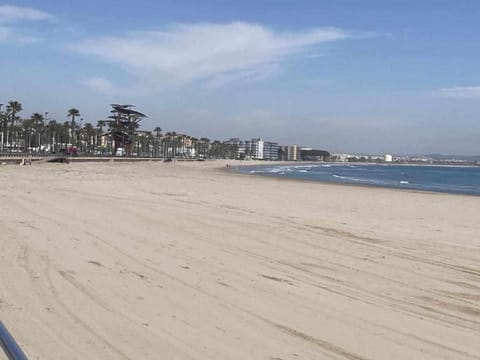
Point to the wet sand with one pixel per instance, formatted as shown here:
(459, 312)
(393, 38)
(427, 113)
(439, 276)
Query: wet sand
(188, 261)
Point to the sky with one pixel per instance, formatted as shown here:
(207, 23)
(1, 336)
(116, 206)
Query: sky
(371, 76)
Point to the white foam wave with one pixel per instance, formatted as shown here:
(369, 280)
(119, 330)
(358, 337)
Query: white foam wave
(363, 180)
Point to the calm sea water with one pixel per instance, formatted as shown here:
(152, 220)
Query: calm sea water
(450, 179)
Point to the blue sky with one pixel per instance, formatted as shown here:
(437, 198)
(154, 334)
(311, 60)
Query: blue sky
(352, 76)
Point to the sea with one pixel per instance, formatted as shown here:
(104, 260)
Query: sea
(445, 179)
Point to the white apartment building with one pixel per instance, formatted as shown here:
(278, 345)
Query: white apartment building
(255, 148)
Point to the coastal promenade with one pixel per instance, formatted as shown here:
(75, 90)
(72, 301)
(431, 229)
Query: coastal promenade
(184, 260)
(17, 158)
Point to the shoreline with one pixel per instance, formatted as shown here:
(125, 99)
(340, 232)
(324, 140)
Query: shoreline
(234, 170)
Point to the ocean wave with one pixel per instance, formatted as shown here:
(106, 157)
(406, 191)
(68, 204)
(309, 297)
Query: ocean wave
(452, 179)
(289, 168)
(362, 180)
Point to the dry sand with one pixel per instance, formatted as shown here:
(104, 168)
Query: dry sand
(186, 261)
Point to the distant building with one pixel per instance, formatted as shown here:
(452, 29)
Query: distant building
(290, 153)
(340, 157)
(309, 154)
(235, 142)
(388, 158)
(264, 150)
(255, 148)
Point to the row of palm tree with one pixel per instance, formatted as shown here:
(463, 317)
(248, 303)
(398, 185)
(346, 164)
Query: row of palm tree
(40, 135)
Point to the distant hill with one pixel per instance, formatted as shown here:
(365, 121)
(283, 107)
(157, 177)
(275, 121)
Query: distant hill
(453, 157)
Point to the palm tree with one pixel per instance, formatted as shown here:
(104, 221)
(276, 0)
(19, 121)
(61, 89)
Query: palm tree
(188, 146)
(73, 113)
(181, 145)
(37, 124)
(52, 131)
(100, 125)
(216, 150)
(89, 131)
(168, 144)
(157, 131)
(27, 129)
(77, 136)
(65, 133)
(17, 132)
(13, 108)
(147, 144)
(205, 145)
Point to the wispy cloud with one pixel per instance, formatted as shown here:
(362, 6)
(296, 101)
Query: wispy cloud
(314, 56)
(459, 92)
(13, 14)
(14, 22)
(206, 53)
(10, 35)
(100, 85)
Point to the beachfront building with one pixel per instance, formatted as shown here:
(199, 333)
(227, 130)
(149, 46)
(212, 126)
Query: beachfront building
(290, 153)
(265, 150)
(255, 148)
(340, 157)
(240, 145)
(309, 154)
(261, 149)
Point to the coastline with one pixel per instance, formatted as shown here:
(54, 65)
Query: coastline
(236, 170)
(120, 261)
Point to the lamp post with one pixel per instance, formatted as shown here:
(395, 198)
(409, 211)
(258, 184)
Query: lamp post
(45, 118)
(80, 135)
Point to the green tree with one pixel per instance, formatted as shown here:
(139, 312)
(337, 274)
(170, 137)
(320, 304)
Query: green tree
(73, 113)
(158, 131)
(37, 122)
(52, 130)
(194, 145)
(89, 132)
(28, 132)
(204, 146)
(65, 132)
(13, 108)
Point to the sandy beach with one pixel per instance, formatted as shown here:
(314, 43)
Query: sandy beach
(188, 261)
